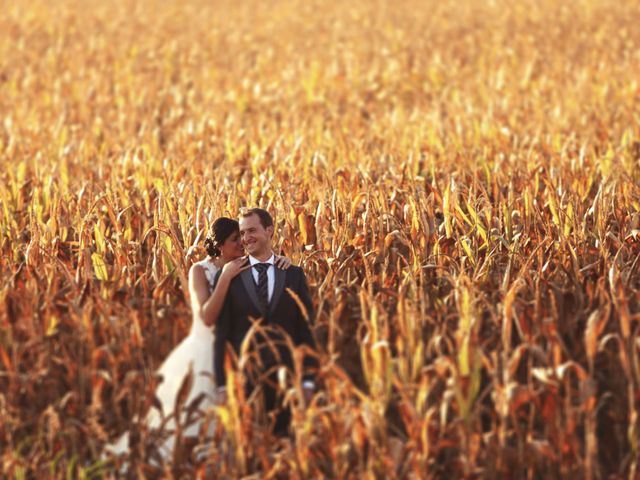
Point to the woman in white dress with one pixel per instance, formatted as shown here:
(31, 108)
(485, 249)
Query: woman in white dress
(195, 353)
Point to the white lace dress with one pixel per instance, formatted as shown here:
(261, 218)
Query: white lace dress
(194, 352)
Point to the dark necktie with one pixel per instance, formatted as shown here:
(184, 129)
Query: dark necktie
(263, 284)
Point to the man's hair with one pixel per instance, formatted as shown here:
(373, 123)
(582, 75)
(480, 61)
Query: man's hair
(263, 215)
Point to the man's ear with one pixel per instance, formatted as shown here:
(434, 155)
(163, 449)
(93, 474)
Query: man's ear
(270, 231)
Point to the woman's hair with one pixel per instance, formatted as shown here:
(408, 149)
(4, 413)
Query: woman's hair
(221, 229)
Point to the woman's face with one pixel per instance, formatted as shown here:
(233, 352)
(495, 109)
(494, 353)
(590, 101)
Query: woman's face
(232, 247)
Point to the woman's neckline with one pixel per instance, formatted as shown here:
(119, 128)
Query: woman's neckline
(212, 261)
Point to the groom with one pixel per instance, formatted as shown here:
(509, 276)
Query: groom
(260, 292)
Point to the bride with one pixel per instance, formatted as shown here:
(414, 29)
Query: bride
(194, 355)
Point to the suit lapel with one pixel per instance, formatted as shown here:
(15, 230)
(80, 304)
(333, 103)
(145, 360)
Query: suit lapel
(250, 287)
(278, 287)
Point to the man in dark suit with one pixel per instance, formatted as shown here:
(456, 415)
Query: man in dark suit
(261, 292)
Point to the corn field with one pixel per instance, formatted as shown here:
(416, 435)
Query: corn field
(460, 181)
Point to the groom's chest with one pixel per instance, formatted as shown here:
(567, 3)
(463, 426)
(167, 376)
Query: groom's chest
(246, 297)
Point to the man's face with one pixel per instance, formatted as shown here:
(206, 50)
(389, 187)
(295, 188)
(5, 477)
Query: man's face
(255, 238)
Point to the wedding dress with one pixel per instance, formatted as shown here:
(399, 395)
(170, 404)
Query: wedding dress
(194, 353)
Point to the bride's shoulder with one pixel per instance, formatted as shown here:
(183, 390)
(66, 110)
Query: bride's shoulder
(206, 262)
(205, 266)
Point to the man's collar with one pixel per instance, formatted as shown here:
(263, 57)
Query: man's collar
(253, 260)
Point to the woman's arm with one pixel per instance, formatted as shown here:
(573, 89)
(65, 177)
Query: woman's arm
(209, 306)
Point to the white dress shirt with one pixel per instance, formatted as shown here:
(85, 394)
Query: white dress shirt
(271, 274)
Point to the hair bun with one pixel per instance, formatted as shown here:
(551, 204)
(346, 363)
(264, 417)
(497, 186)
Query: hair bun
(210, 247)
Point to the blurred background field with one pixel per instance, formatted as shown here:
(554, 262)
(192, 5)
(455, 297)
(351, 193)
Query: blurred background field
(459, 179)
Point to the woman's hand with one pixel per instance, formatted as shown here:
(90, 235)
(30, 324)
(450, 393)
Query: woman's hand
(234, 267)
(282, 262)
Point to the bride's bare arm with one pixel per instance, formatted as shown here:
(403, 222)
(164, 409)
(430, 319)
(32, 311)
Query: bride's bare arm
(209, 306)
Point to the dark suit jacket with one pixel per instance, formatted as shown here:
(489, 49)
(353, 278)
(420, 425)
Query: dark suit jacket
(242, 302)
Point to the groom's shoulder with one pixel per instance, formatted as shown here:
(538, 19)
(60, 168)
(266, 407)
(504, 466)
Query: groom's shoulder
(295, 270)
